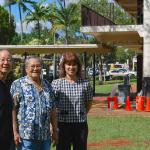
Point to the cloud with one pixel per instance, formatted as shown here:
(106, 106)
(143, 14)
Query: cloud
(26, 28)
(29, 27)
(71, 1)
(2, 2)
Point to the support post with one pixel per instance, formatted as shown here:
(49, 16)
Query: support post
(94, 74)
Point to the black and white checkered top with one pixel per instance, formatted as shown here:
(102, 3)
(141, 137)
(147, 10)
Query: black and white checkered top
(71, 99)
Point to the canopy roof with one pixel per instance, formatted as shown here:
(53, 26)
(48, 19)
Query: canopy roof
(128, 36)
(45, 49)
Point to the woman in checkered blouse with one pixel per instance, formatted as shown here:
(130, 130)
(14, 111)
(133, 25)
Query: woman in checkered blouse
(74, 100)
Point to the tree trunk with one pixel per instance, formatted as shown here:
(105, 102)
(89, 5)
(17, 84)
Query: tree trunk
(66, 30)
(9, 13)
(39, 31)
(100, 72)
(21, 24)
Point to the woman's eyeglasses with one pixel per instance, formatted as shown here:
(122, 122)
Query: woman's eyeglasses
(35, 66)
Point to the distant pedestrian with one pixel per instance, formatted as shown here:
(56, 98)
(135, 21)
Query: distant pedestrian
(74, 100)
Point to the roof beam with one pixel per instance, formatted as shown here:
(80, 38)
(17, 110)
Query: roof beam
(48, 49)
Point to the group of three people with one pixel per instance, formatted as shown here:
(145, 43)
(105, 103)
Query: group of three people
(36, 105)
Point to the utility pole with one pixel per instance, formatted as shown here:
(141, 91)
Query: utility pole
(54, 60)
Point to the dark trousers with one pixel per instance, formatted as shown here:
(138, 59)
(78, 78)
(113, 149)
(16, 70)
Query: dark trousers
(7, 145)
(72, 134)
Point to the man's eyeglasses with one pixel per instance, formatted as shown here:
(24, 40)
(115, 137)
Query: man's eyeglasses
(2, 60)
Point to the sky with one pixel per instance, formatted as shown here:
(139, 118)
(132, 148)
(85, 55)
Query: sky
(28, 28)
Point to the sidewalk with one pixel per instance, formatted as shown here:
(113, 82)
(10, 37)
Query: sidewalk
(100, 98)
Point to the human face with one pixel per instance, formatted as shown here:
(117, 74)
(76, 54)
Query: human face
(34, 68)
(5, 62)
(71, 70)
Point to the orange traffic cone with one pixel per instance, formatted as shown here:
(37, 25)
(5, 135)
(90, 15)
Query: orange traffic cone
(137, 100)
(147, 104)
(115, 102)
(140, 103)
(109, 99)
(128, 104)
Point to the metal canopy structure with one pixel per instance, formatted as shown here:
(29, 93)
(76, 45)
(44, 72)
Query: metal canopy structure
(126, 36)
(48, 49)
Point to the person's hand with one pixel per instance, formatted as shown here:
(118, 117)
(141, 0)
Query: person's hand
(17, 138)
(55, 137)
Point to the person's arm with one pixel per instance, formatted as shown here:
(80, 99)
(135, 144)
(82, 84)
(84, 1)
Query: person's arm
(15, 128)
(88, 97)
(54, 126)
(15, 125)
(88, 106)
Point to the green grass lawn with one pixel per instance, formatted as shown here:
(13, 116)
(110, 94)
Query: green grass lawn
(107, 87)
(135, 130)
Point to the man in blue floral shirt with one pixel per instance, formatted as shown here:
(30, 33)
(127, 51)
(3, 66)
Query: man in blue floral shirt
(34, 109)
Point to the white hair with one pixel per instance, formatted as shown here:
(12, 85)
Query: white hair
(32, 57)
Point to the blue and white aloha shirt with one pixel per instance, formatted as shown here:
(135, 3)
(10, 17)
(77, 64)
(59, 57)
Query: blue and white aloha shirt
(34, 107)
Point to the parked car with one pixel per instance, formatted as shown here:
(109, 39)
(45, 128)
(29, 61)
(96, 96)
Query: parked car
(91, 72)
(106, 74)
(122, 72)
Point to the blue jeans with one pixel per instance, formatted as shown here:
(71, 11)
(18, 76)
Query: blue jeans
(34, 145)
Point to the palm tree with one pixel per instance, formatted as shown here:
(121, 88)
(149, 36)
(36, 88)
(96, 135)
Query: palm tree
(63, 2)
(38, 14)
(65, 18)
(51, 17)
(22, 6)
(9, 3)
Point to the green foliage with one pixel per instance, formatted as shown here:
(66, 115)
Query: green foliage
(65, 20)
(16, 71)
(23, 4)
(123, 54)
(46, 37)
(122, 18)
(15, 39)
(105, 8)
(101, 6)
(7, 27)
(32, 38)
(38, 14)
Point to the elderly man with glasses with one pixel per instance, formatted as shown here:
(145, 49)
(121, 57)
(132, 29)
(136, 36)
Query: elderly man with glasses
(6, 130)
(34, 109)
